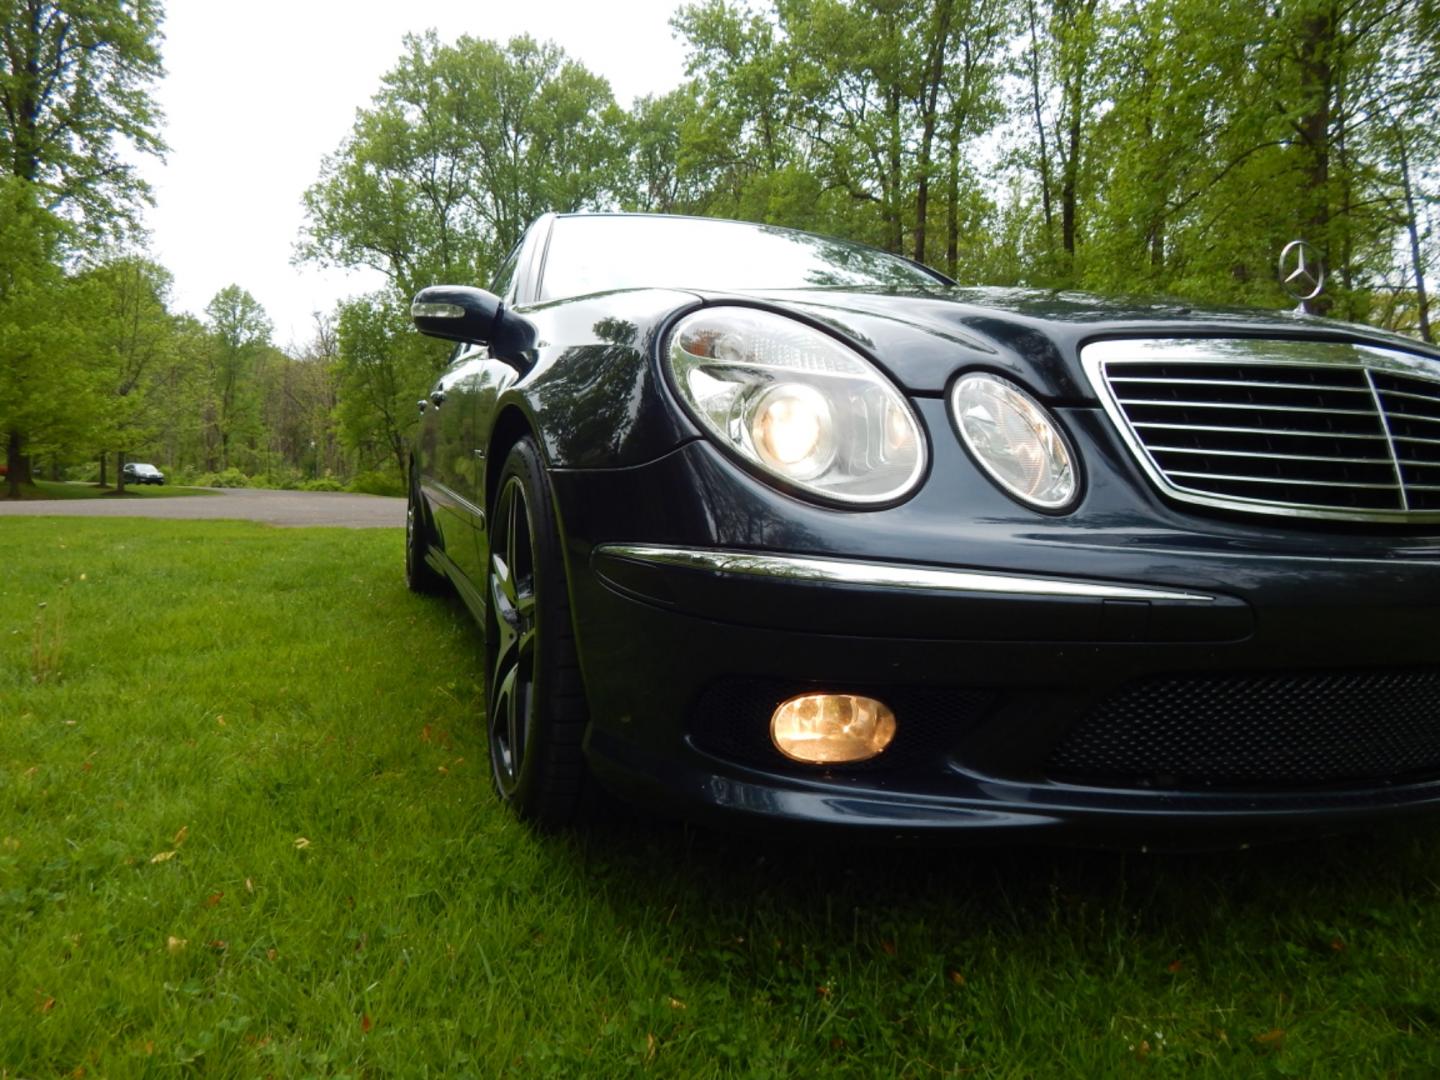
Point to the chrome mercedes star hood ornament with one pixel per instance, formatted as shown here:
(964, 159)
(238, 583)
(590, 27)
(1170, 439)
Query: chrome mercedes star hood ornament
(1302, 274)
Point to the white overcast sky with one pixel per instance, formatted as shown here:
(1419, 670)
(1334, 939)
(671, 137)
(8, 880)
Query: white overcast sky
(258, 92)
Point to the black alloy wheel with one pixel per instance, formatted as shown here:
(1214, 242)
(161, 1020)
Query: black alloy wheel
(420, 576)
(535, 700)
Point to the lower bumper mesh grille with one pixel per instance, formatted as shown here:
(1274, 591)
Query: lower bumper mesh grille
(1293, 729)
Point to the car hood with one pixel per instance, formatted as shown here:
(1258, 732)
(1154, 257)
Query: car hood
(923, 338)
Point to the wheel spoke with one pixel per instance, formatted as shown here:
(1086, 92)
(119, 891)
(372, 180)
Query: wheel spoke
(512, 597)
(516, 719)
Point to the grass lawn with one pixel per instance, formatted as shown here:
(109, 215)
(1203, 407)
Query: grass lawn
(245, 830)
(54, 489)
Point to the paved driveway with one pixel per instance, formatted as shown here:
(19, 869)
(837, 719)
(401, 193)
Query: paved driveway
(248, 504)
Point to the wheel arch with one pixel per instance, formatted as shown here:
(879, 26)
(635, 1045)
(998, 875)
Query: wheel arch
(511, 426)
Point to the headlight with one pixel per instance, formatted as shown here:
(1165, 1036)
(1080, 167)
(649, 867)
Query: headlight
(1015, 440)
(798, 404)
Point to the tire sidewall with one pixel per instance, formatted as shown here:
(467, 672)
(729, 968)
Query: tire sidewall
(532, 796)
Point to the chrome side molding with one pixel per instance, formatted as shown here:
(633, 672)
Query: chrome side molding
(818, 570)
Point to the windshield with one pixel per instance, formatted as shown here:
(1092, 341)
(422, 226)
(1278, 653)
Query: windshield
(598, 252)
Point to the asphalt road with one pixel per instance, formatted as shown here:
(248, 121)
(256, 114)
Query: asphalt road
(246, 504)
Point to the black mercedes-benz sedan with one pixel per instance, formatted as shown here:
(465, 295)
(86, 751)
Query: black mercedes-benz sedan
(766, 526)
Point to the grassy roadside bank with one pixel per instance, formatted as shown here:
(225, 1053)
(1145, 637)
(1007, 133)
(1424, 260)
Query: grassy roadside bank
(56, 489)
(245, 830)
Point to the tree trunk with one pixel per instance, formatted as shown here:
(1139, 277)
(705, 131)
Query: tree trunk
(1417, 263)
(897, 224)
(102, 469)
(1316, 87)
(1070, 182)
(120, 471)
(952, 212)
(930, 103)
(13, 461)
(1040, 130)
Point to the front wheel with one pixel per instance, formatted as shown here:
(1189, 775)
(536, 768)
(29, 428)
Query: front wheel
(536, 711)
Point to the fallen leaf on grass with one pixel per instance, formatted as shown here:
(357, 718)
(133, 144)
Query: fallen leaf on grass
(175, 945)
(1174, 967)
(214, 898)
(676, 1003)
(181, 835)
(956, 978)
(45, 1006)
(218, 945)
(272, 954)
(163, 856)
(1273, 1039)
(650, 1044)
(889, 947)
(366, 1023)
(301, 843)
(249, 885)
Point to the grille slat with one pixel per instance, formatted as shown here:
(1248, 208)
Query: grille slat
(1261, 431)
(1240, 383)
(1283, 480)
(1318, 429)
(1280, 456)
(1261, 406)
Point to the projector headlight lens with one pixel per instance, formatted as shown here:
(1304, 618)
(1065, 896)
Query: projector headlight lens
(1016, 441)
(798, 404)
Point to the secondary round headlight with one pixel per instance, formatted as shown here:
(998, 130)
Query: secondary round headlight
(1016, 441)
(797, 403)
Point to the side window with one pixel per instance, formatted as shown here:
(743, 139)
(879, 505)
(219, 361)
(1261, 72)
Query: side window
(504, 281)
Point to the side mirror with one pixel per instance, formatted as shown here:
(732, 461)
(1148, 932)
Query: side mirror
(474, 316)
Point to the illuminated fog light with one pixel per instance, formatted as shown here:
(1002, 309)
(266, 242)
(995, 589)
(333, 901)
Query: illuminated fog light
(832, 729)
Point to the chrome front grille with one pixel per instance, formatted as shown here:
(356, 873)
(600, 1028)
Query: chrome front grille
(1307, 429)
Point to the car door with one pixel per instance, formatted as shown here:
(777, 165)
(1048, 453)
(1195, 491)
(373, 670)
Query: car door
(451, 466)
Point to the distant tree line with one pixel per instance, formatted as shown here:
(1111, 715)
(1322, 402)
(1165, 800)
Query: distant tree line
(1118, 146)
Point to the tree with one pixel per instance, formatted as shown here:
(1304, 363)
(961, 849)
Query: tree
(44, 384)
(133, 334)
(382, 361)
(240, 337)
(461, 149)
(74, 86)
(463, 146)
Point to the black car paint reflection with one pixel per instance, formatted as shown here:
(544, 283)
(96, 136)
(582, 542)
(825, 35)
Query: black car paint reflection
(653, 675)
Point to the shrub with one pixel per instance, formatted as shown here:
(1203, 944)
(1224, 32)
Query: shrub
(377, 483)
(324, 483)
(230, 478)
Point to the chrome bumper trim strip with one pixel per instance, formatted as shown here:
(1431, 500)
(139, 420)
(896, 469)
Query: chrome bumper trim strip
(806, 568)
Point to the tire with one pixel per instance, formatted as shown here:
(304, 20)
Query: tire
(420, 576)
(535, 700)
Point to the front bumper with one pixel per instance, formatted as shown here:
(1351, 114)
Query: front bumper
(995, 642)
